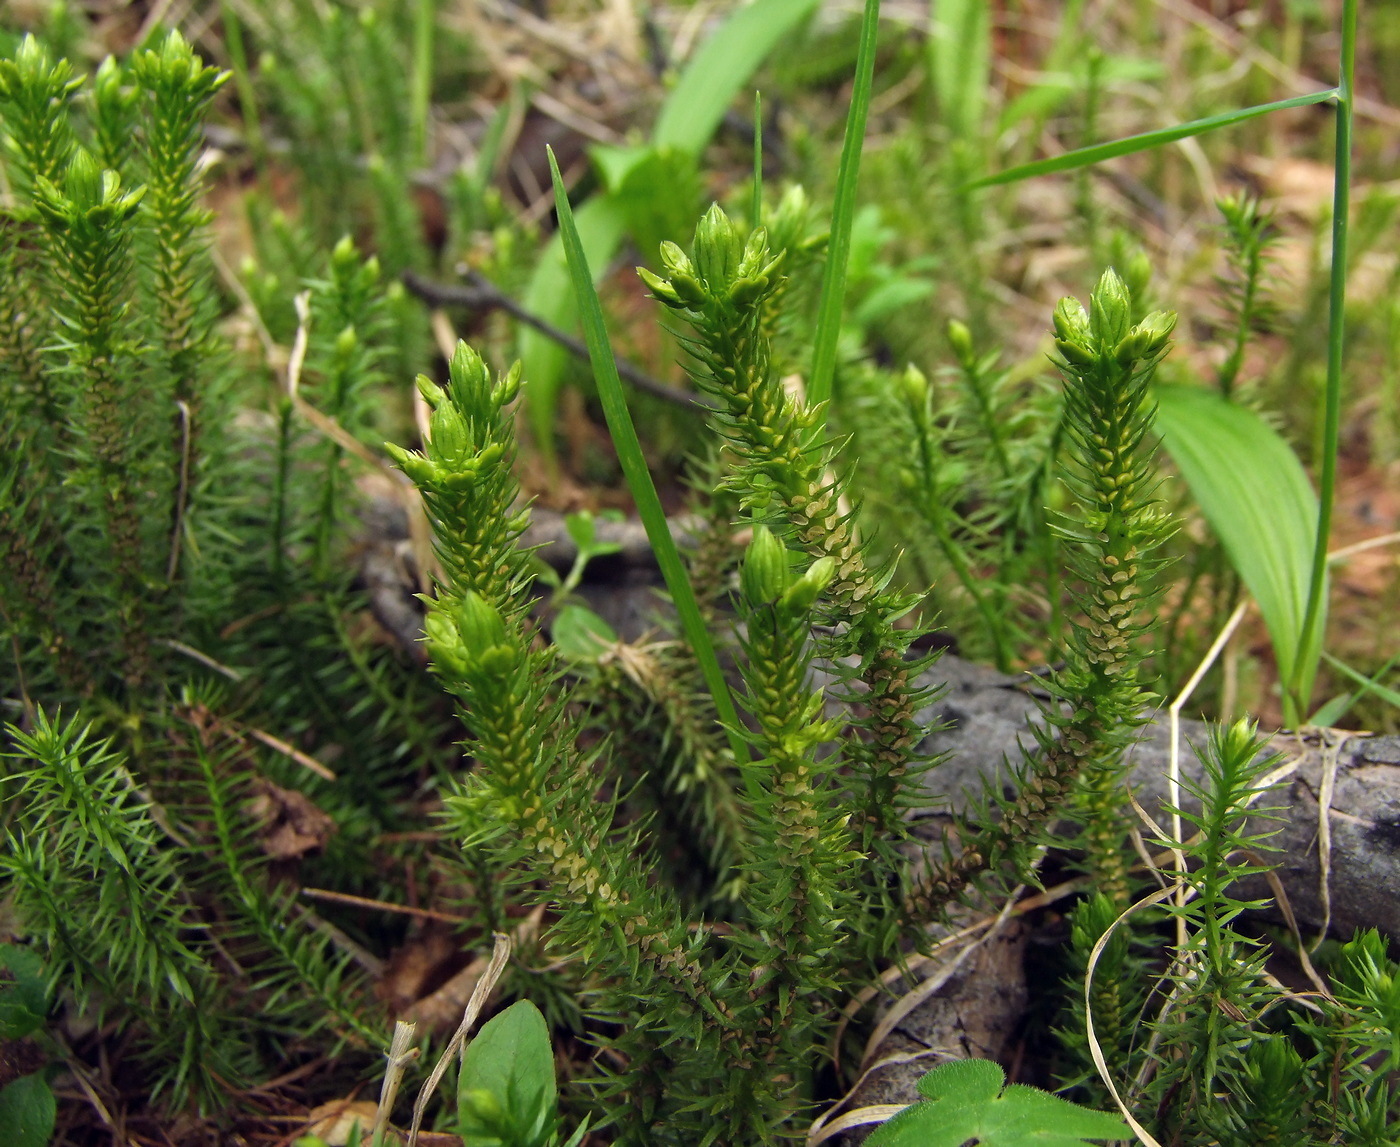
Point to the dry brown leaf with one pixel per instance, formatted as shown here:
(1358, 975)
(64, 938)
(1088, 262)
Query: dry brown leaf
(334, 1121)
(417, 968)
(290, 826)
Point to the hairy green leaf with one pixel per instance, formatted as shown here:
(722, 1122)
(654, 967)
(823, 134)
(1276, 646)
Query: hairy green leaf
(580, 634)
(23, 998)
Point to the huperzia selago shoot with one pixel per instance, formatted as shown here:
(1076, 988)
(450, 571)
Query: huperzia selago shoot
(101, 448)
(720, 1028)
(784, 473)
(1111, 548)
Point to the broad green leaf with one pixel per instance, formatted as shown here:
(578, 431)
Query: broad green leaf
(657, 189)
(27, 1112)
(721, 67)
(960, 48)
(634, 469)
(709, 83)
(23, 998)
(1086, 156)
(507, 1080)
(581, 635)
(966, 1101)
(1253, 491)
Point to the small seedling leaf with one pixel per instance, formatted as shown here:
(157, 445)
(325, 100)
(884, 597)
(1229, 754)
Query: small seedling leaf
(23, 999)
(507, 1080)
(27, 1111)
(966, 1101)
(581, 635)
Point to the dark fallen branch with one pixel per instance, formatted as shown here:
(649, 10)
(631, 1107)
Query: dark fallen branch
(480, 295)
(986, 717)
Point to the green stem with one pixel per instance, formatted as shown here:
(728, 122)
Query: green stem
(424, 18)
(1295, 702)
(756, 211)
(934, 516)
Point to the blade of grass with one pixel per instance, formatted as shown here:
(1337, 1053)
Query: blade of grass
(1333, 712)
(843, 212)
(1368, 684)
(1084, 156)
(634, 468)
(720, 68)
(601, 223)
(1297, 686)
(1254, 492)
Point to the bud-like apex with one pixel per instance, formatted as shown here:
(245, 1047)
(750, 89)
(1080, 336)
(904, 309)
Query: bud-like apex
(444, 644)
(660, 289)
(508, 387)
(108, 81)
(83, 182)
(344, 257)
(1072, 337)
(960, 339)
(805, 591)
(914, 386)
(470, 381)
(1110, 310)
(432, 393)
(346, 342)
(717, 249)
(1147, 339)
(451, 441)
(680, 286)
(479, 624)
(421, 472)
(764, 575)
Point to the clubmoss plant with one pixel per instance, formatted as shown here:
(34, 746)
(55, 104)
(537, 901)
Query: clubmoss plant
(816, 902)
(1111, 547)
(138, 566)
(784, 471)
